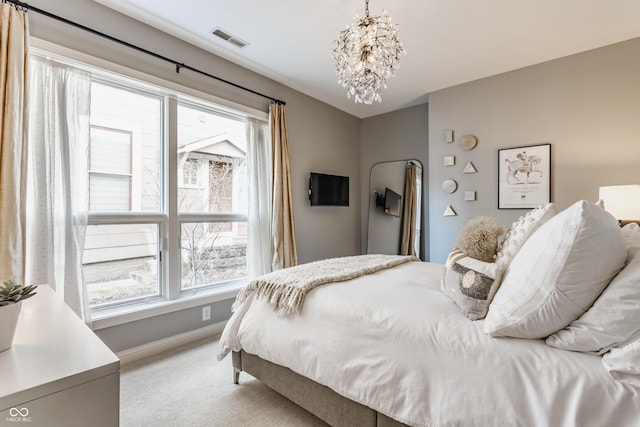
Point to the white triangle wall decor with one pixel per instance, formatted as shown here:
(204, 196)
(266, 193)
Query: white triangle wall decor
(449, 211)
(469, 168)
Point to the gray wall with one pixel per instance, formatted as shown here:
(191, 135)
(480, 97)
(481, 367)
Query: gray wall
(139, 332)
(321, 138)
(585, 105)
(329, 143)
(399, 135)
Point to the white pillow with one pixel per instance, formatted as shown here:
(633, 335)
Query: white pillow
(623, 363)
(614, 317)
(520, 231)
(558, 273)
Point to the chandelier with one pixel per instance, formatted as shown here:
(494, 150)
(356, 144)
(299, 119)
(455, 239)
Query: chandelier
(366, 53)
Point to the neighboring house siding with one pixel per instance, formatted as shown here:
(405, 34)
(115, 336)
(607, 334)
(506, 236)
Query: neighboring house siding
(134, 241)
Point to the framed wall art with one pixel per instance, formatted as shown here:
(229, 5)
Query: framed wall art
(524, 176)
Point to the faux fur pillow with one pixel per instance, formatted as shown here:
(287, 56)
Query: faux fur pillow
(479, 238)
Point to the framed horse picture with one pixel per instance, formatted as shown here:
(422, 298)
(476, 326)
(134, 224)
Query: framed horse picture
(524, 176)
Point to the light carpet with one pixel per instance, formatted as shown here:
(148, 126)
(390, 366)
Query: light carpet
(189, 387)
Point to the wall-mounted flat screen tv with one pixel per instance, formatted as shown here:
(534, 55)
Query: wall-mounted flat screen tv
(328, 190)
(391, 202)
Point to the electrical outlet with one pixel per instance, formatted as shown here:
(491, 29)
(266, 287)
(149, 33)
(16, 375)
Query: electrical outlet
(206, 313)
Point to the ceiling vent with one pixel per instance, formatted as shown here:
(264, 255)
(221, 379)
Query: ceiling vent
(229, 38)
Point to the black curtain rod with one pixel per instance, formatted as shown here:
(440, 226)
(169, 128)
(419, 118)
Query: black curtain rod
(178, 65)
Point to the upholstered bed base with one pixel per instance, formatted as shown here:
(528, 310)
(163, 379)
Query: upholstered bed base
(320, 400)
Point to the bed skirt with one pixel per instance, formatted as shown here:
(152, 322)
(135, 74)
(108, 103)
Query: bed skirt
(331, 407)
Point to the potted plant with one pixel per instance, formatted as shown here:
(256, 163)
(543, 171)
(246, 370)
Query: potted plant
(11, 297)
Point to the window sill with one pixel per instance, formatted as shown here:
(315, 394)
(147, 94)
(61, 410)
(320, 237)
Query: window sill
(106, 318)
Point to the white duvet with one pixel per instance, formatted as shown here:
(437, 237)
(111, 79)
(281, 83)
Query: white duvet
(393, 342)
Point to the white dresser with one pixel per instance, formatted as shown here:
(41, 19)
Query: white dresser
(58, 372)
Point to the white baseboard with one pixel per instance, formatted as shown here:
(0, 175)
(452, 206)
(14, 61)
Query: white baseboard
(169, 343)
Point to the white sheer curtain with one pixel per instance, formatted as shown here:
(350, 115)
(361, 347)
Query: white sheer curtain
(259, 167)
(14, 51)
(57, 180)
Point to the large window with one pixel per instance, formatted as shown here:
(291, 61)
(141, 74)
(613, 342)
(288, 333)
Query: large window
(168, 195)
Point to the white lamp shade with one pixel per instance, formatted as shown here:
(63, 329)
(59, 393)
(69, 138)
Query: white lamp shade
(622, 201)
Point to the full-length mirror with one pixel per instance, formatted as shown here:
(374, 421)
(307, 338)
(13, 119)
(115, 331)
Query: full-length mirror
(395, 200)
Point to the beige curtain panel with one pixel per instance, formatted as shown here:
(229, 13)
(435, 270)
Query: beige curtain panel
(14, 51)
(282, 224)
(409, 211)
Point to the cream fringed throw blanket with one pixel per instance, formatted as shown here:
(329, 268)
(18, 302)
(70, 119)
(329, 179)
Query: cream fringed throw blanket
(286, 289)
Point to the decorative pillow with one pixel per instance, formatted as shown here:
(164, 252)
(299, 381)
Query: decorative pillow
(479, 238)
(470, 283)
(558, 273)
(520, 231)
(614, 318)
(623, 363)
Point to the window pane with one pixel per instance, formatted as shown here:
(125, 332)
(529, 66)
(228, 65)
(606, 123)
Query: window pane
(120, 262)
(212, 160)
(213, 252)
(110, 151)
(109, 192)
(126, 138)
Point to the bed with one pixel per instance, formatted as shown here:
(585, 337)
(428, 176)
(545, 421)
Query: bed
(392, 347)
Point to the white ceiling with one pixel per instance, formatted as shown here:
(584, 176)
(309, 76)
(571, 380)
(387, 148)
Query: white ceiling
(448, 42)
